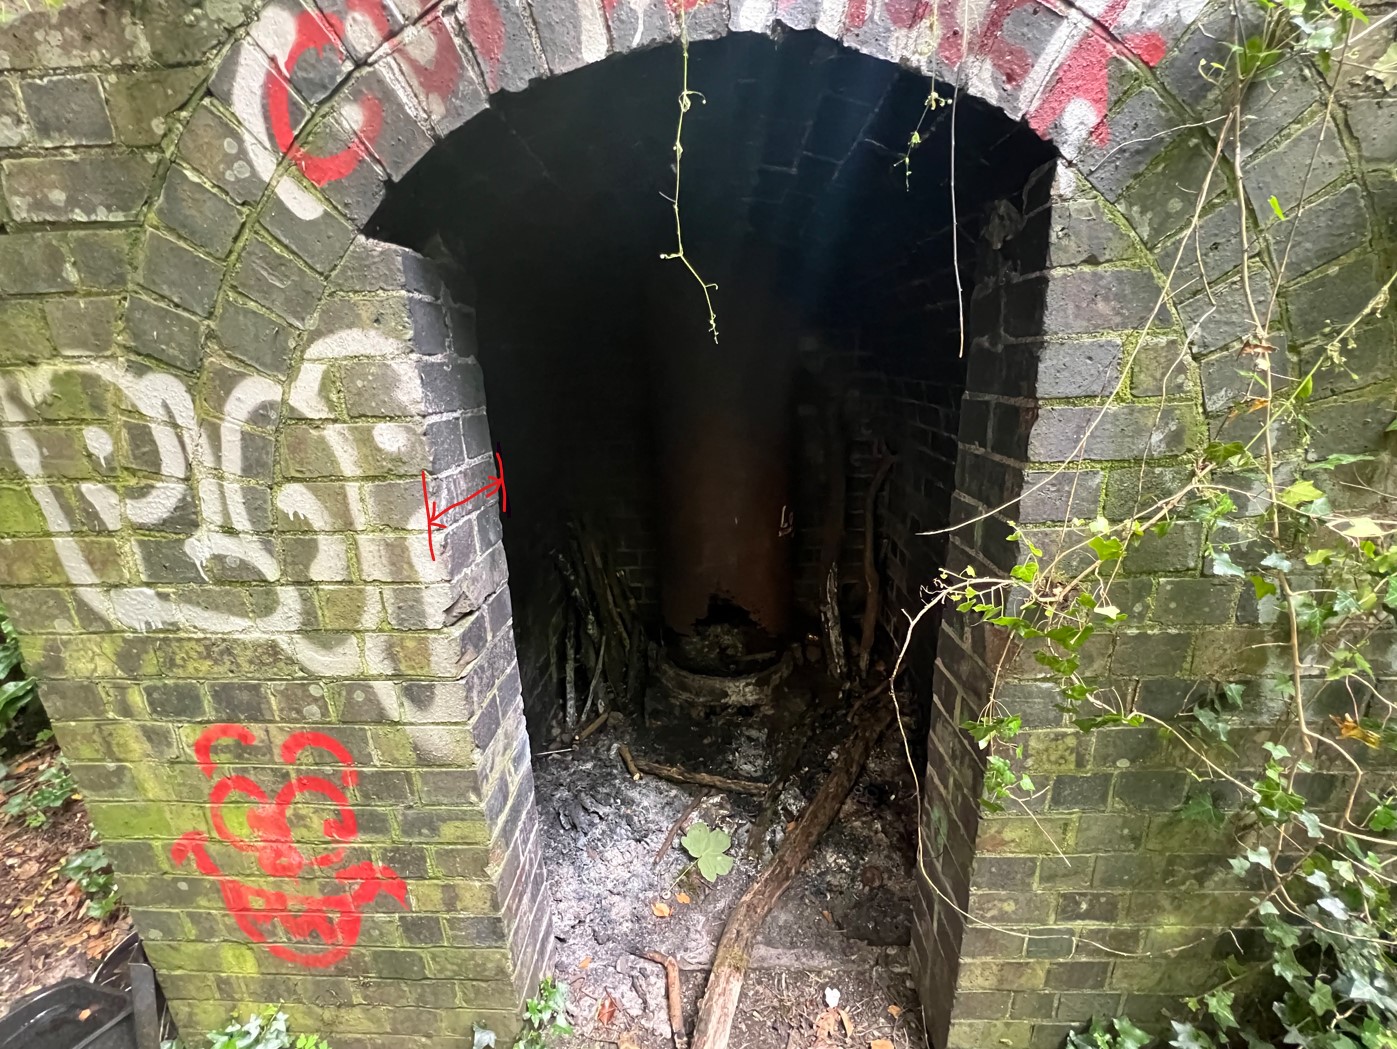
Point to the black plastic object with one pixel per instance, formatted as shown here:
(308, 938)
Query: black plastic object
(72, 1014)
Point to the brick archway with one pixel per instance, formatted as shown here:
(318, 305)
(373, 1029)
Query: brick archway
(225, 565)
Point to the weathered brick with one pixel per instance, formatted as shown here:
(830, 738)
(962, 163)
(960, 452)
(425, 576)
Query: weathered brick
(197, 213)
(67, 111)
(82, 327)
(164, 333)
(277, 282)
(1108, 432)
(142, 104)
(84, 188)
(33, 263)
(180, 274)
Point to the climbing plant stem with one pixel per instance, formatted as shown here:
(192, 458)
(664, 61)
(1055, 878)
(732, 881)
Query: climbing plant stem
(686, 98)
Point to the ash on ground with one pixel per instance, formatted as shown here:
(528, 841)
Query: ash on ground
(840, 931)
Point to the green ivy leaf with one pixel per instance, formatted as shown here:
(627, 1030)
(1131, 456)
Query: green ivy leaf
(1223, 565)
(708, 847)
(1106, 547)
(1302, 491)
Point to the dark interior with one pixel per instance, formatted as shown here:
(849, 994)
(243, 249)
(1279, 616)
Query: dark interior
(720, 479)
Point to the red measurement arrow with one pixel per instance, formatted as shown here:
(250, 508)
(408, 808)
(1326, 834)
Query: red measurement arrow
(434, 515)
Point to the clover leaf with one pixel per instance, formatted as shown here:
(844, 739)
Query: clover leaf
(708, 847)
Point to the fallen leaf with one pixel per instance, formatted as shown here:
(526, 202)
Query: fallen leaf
(826, 1023)
(880, 1043)
(682, 897)
(848, 1023)
(660, 908)
(827, 916)
(1350, 729)
(894, 1011)
(606, 1011)
(84, 1014)
(585, 962)
(627, 1040)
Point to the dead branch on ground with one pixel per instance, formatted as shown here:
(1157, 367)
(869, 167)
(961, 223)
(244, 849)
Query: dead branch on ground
(674, 996)
(675, 774)
(724, 989)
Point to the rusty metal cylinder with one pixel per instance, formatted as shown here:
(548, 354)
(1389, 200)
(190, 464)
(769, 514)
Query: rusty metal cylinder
(724, 431)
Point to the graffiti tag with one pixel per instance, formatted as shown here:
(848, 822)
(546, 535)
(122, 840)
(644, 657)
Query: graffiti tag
(322, 929)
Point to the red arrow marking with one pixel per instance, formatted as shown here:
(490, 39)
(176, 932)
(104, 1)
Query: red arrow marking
(434, 515)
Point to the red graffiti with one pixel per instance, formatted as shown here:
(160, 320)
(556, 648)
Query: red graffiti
(434, 515)
(1085, 74)
(323, 929)
(486, 30)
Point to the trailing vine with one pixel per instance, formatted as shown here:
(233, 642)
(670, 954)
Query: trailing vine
(686, 102)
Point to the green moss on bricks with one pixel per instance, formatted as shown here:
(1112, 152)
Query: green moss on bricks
(117, 820)
(19, 513)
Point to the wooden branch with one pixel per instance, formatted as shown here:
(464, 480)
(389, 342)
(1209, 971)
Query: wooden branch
(569, 674)
(593, 688)
(835, 657)
(674, 996)
(675, 774)
(870, 568)
(629, 762)
(724, 989)
(592, 727)
(677, 826)
(574, 587)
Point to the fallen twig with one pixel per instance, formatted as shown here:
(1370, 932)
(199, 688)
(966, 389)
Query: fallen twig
(630, 762)
(675, 774)
(678, 826)
(720, 998)
(592, 689)
(602, 720)
(674, 995)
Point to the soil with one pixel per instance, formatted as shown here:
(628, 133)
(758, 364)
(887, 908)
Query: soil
(45, 933)
(839, 934)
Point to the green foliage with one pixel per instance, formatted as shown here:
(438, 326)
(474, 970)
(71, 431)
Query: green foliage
(709, 847)
(1120, 1033)
(544, 1015)
(92, 870)
(53, 788)
(265, 1029)
(17, 689)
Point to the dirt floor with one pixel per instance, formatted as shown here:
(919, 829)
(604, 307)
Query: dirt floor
(831, 967)
(45, 935)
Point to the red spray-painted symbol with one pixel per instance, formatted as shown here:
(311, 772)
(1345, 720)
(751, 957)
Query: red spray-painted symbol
(328, 926)
(434, 515)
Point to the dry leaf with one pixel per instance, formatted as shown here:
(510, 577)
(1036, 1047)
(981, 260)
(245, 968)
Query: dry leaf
(660, 908)
(894, 1011)
(682, 897)
(585, 962)
(880, 1043)
(1350, 729)
(84, 1014)
(826, 1024)
(627, 1040)
(606, 1011)
(848, 1022)
(827, 916)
